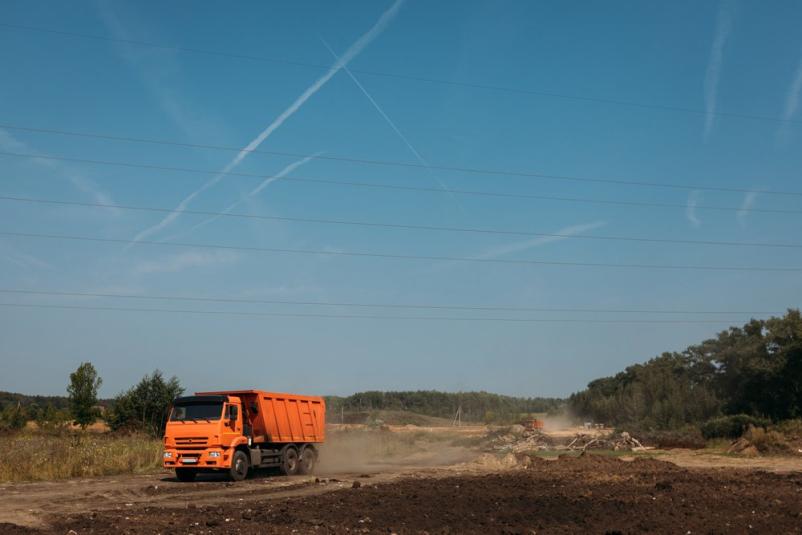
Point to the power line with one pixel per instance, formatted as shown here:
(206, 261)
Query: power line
(487, 308)
(393, 163)
(390, 256)
(357, 316)
(397, 226)
(358, 184)
(399, 76)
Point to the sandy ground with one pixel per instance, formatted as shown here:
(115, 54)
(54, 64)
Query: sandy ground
(402, 483)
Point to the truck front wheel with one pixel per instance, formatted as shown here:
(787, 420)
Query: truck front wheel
(239, 466)
(185, 474)
(289, 462)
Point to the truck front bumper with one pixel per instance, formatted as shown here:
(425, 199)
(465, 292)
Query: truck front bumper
(208, 458)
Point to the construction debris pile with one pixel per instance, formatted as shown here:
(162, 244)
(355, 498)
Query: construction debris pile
(517, 439)
(623, 442)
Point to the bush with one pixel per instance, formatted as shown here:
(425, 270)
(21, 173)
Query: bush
(732, 426)
(13, 417)
(767, 441)
(792, 429)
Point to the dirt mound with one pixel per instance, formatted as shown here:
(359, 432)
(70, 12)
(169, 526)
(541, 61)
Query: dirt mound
(492, 461)
(743, 447)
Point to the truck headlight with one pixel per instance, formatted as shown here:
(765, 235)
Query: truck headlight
(168, 454)
(214, 454)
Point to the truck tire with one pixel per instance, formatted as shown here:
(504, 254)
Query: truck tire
(186, 475)
(239, 466)
(307, 461)
(289, 462)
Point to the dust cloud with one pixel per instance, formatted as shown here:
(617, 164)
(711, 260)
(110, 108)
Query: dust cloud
(373, 451)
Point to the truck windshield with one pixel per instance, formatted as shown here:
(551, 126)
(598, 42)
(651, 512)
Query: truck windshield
(197, 411)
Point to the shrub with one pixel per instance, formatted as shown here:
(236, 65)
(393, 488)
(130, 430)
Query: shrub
(732, 426)
(13, 417)
(790, 428)
(767, 441)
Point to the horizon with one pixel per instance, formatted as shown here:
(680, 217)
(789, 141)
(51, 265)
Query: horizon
(391, 195)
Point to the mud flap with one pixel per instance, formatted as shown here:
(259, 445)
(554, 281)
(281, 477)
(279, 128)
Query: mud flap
(256, 456)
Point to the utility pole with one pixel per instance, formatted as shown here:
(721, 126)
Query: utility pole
(457, 417)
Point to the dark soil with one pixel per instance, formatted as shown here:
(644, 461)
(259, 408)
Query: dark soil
(589, 494)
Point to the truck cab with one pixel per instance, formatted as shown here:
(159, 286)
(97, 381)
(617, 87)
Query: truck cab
(237, 431)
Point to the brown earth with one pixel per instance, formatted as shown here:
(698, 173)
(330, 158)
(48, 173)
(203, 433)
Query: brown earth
(588, 494)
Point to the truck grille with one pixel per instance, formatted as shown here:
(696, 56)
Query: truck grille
(191, 442)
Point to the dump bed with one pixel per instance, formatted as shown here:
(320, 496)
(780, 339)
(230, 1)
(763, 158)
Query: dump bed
(281, 418)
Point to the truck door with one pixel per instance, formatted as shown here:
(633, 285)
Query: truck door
(232, 423)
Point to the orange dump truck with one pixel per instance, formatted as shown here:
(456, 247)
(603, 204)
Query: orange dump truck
(239, 430)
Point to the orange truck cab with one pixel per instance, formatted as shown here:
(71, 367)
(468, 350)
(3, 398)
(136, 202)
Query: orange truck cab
(533, 424)
(240, 430)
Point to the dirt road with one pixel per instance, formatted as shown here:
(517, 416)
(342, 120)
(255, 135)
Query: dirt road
(36, 504)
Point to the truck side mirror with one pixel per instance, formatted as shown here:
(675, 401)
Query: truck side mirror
(233, 413)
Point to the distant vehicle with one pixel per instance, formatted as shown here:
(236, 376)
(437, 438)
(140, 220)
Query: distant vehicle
(532, 424)
(239, 430)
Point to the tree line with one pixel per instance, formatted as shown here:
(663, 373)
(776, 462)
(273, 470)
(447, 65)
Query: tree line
(142, 408)
(754, 370)
(474, 406)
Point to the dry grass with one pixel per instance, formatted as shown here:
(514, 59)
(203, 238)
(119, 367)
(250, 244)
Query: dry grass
(41, 456)
(767, 441)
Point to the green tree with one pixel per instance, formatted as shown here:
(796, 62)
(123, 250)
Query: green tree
(754, 370)
(49, 418)
(144, 407)
(14, 417)
(82, 390)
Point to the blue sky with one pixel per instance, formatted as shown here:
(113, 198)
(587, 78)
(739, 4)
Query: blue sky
(717, 61)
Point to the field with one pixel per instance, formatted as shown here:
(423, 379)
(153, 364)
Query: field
(438, 480)
(45, 456)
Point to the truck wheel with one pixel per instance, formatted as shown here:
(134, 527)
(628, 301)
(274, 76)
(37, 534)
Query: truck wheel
(239, 466)
(186, 475)
(289, 463)
(306, 464)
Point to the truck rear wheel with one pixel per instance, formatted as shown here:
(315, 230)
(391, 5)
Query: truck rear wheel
(289, 462)
(306, 464)
(186, 474)
(239, 466)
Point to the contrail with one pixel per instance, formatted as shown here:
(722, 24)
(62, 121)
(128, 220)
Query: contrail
(690, 209)
(562, 234)
(390, 122)
(791, 104)
(746, 207)
(7, 141)
(346, 58)
(723, 27)
(255, 191)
